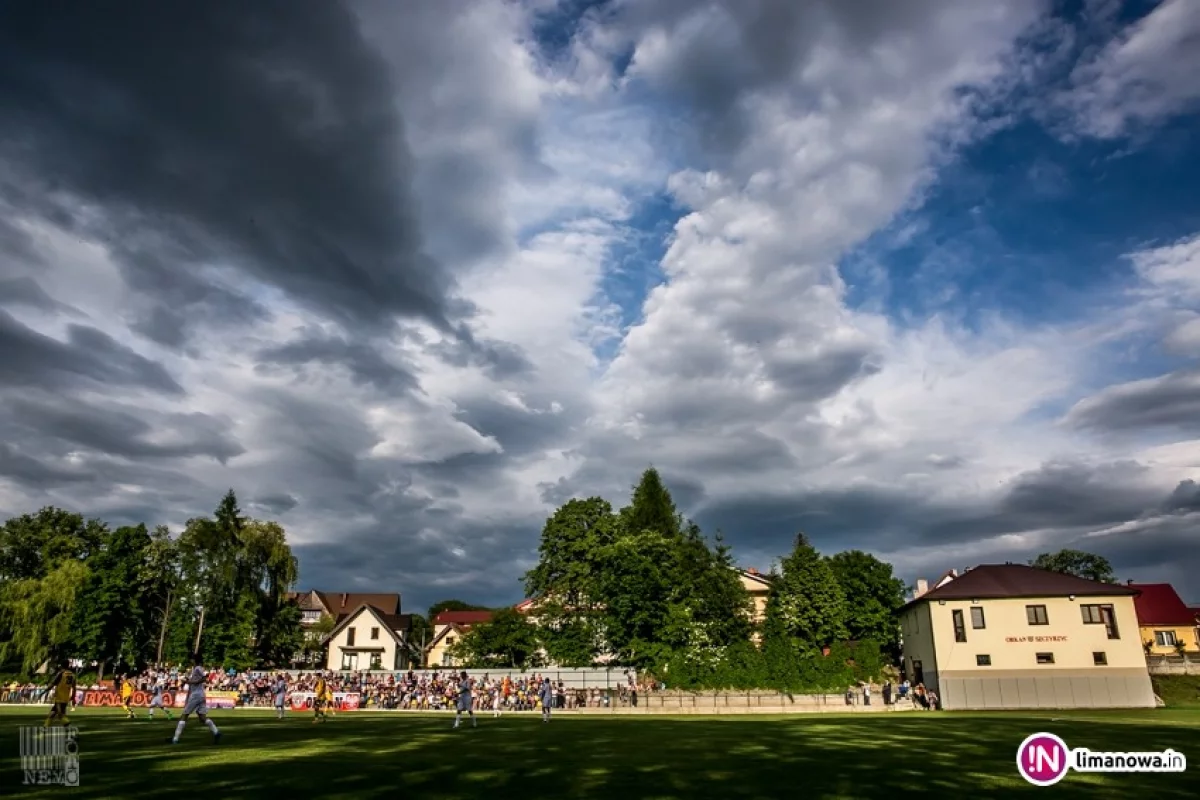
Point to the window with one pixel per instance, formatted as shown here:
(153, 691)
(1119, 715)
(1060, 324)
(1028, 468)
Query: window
(977, 618)
(1095, 614)
(1100, 659)
(1045, 658)
(350, 637)
(1037, 615)
(447, 661)
(312, 616)
(374, 633)
(960, 628)
(1165, 638)
(983, 661)
(376, 660)
(349, 661)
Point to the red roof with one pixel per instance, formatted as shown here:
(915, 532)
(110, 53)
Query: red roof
(1158, 604)
(463, 617)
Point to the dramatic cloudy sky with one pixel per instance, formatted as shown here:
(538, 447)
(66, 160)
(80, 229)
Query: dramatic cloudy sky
(915, 276)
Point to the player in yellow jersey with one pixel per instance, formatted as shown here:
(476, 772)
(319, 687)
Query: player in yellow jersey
(127, 695)
(319, 691)
(330, 706)
(62, 691)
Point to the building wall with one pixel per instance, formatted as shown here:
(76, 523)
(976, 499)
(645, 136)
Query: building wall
(1014, 678)
(362, 626)
(439, 652)
(1183, 633)
(917, 633)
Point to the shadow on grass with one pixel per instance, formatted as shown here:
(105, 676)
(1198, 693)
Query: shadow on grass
(379, 755)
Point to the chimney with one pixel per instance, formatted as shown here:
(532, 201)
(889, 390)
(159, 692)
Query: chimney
(344, 596)
(1129, 582)
(752, 571)
(922, 588)
(953, 573)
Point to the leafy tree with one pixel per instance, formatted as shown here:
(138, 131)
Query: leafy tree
(809, 603)
(422, 631)
(159, 586)
(876, 594)
(38, 614)
(33, 545)
(108, 608)
(635, 588)
(453, 605)
(509, 640)
(567, 565)
(312, 646)
(1077, 563)
(652, 508)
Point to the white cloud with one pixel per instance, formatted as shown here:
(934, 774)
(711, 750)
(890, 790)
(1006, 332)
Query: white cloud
(1144, 76)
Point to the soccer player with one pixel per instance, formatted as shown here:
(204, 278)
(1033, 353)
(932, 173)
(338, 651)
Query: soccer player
(279, 689)
(330, 705)
(126, 695)
(62, 691)
(319, 691)
(160, 688)
(465, 685)
(195, 703)
(546, 693)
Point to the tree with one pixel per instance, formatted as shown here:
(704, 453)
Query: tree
(312, 647)
(635, 588)
(108, 608)
(873, 594)
(652, 508)
(453, 605)
(508, 640)
(567, 556)
(809, 602)
(1077, 563)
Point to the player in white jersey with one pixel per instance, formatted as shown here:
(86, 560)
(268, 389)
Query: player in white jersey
(279, 689)
(195, 703)
(465, 700)
(160, 688)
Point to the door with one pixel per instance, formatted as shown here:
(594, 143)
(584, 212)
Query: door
(918, 674)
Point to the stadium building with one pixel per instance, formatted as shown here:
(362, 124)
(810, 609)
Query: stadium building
(1008, 636)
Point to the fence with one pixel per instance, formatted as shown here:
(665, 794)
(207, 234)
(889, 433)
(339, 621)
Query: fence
(1174, 665)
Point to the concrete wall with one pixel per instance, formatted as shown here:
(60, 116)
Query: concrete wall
(919, 645)
(1009, 689)
(1174, 665)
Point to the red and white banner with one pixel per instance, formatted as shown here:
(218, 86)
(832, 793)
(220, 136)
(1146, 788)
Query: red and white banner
(342, 701)
(109, 698)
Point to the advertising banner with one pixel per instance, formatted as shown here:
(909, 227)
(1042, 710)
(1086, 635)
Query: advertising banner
(107, 697)
(342, 701)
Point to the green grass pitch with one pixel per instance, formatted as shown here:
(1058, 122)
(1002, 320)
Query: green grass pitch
(359, 755)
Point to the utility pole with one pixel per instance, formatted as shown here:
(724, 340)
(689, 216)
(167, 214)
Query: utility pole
(199, 631)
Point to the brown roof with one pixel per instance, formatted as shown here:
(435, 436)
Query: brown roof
(1017, 580)
(340, 603)
(463, 617)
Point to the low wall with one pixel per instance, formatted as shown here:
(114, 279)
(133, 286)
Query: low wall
(1173, 665)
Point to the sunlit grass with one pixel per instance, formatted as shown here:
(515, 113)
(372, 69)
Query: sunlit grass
(364, 755)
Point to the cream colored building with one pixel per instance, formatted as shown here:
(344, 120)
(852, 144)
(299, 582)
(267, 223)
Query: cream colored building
(1010, 636)
(369, 639)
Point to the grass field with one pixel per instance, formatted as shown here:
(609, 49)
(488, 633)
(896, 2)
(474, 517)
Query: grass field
(400, 755)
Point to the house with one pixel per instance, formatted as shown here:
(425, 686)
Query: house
(1008, 636)
(368, 638)
(345, 611)
(758, 586)
(1164, 620)
(449, 627)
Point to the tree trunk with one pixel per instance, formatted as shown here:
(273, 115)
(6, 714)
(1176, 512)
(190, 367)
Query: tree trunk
(199, 630)
(100, 671)
(162, 634)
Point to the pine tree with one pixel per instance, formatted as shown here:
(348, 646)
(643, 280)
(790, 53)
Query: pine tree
(811, 604)
(651, 508)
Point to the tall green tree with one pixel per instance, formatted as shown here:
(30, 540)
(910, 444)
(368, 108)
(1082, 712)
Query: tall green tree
(1078, 563)
(508, 640)
(572, 539)
(652, 508)
(109, 604)
(810, 603)
(159, 588)
(876, 595)
(635, 587)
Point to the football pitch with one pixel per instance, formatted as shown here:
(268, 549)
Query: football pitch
(359, 755)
